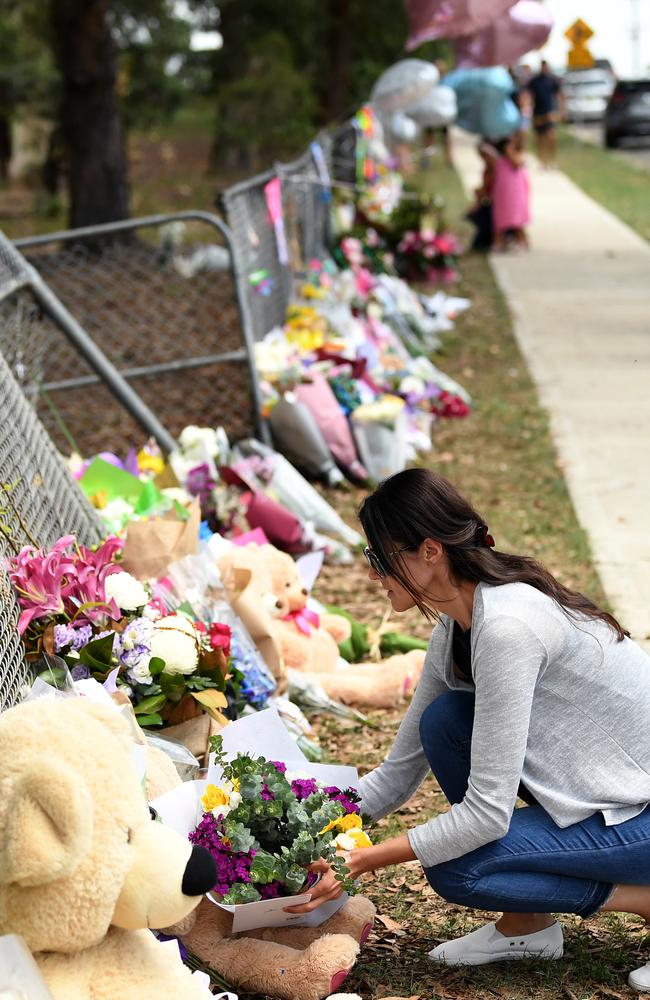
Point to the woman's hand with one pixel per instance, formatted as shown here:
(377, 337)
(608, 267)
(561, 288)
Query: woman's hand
(327, 888)
(358, 861)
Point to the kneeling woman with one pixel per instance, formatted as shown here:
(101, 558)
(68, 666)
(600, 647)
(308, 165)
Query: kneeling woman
(528, 690)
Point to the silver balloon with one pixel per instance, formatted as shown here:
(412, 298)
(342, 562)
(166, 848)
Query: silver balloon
(403, 84)
(401, 128)
(436, 108)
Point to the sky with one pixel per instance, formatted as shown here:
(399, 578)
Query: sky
(612, 22)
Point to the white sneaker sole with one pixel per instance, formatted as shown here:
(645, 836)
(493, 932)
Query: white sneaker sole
(500, 956)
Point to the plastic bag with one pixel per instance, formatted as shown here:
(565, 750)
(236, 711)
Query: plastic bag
(305, 690)
(298, 495)
(298, 436)
(186, 764)
(323, 405)
(381, 440)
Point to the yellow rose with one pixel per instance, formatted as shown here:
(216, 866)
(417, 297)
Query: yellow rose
(343, 823)
(349, 822)
(360, 838)
(150, 463)
(214, 797)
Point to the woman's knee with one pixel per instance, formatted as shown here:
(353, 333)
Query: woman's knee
(451, 882)
(447, 721)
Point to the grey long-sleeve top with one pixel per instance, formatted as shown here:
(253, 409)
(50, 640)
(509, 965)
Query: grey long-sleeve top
(560, 705)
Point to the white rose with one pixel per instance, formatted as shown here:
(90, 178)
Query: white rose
(222, 811)
(127, 592)
(174, 640)
(235, 799)
(345, 842)
(411, 383)
(201, 440)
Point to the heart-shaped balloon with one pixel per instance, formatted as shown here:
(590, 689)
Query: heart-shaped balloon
(430, 19)
(403, 84)
(525, 26)
(485, 105)
(402, 128)
(438, 107)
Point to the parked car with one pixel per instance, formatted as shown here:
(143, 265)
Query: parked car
(628, 112)
(586, 93)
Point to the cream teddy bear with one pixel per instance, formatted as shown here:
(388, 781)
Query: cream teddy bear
(265, 589)
(83, 868)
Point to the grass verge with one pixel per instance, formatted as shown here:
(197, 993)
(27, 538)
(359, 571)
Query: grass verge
(619, 185)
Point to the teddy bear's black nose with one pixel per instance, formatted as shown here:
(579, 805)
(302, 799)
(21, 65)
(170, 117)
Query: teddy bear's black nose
(200, 872)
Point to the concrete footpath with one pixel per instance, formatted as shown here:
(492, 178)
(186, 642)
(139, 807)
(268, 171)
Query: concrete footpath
(580, 302)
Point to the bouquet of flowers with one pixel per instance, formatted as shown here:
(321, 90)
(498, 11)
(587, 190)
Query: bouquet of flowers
(425, 255)
(79, 605)
(264, 825)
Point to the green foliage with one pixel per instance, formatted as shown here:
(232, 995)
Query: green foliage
(98, 654)
(268, 109)
(242, 892)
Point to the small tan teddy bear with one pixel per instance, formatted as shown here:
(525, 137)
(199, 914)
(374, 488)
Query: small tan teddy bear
(265, 589)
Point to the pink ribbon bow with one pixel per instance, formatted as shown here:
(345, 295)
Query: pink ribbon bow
(303, 619)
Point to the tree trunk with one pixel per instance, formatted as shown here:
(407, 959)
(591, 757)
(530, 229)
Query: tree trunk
(90, 124)
(340, 43)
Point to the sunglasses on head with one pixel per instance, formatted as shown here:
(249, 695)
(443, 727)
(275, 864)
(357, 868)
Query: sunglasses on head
(375, 562)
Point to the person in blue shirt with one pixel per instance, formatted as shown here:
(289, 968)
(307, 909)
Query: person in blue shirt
(545, 91)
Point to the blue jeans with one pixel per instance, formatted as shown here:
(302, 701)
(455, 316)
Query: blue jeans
(537, 867)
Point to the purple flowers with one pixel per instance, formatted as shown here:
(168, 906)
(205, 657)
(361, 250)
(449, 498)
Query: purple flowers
(348, 798)
(69, 637)
(302, 788)
(232, 866)
(134, 642)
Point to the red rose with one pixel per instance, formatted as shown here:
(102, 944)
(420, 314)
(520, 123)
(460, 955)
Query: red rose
(220, 637)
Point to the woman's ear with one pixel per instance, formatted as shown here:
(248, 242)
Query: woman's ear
(431, 551)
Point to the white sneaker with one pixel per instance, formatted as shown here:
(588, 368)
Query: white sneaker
(487, 944)
(640, 979)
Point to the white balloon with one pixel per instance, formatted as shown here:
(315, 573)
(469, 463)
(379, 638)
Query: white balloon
(402, 128)
(403, 84)
(436, 108)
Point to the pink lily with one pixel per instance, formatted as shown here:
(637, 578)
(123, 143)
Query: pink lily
(42, 580)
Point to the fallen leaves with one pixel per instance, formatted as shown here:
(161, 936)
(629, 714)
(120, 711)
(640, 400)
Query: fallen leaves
(391, 925)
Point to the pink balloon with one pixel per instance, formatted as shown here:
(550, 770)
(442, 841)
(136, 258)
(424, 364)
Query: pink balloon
(525, 26)
(430, 19)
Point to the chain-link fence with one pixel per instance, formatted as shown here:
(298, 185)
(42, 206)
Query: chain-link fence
(39, 502)
(158, 296)
(265, 272)
(167, 308)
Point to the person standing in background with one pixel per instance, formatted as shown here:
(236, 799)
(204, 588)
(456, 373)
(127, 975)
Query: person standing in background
(444, 131)
(545, 91)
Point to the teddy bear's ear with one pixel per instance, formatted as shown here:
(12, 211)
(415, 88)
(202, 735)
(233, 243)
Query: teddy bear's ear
(49, 825)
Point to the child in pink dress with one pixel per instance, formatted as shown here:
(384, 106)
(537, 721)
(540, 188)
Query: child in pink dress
(510, 195)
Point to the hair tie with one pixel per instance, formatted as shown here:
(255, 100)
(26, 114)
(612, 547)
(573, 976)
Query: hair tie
(483, 536)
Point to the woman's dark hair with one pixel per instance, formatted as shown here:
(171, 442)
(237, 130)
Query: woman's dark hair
(418, 504)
